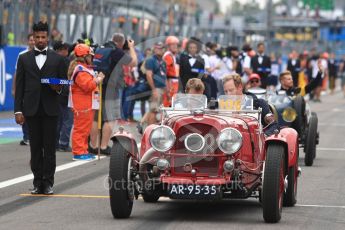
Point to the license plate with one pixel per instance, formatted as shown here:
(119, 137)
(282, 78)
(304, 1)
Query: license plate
(193, 191)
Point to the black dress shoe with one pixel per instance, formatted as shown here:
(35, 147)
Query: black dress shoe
(48, 190)
(36, 190)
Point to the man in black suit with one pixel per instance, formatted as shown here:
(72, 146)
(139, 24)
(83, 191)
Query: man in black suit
(261, 64)
(294, 66)
(38, 105)
(192, 65)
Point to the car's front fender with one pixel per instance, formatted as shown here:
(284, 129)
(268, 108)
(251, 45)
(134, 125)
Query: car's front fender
(128, 142)
(288, 137)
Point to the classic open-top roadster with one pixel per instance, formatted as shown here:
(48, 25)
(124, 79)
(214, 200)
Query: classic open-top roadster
(199, 153)
(294, 112)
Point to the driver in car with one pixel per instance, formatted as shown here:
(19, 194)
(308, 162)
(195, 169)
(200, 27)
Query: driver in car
(233, 85)
(286, 82)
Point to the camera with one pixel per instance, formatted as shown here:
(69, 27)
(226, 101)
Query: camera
(125, 46)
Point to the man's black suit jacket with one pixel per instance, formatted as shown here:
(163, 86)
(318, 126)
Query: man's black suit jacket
(294, 69)
(186, 70)
(263, 69)
(29, 90)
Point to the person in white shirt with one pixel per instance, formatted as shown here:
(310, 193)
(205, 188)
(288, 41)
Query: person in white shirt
(216, 66)
(245, 62)
(315, 70)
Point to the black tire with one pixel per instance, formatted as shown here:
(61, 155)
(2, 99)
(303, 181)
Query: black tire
(310, 150)
(273, 184)
(121, 202)
(299, 124)
(290, 196)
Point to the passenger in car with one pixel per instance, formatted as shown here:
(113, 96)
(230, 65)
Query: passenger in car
(195, 86)
(233, 85)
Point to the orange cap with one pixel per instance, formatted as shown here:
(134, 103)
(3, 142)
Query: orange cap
(171, 40)
(82, 50)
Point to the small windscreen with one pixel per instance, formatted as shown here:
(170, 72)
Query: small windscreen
(189, 101)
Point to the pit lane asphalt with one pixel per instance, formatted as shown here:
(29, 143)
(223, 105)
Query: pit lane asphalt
(321, 197)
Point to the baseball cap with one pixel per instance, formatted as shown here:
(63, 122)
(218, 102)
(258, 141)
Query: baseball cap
(159, 45)
(254, 76)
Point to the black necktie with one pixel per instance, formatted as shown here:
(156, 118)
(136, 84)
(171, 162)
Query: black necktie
(37, 52)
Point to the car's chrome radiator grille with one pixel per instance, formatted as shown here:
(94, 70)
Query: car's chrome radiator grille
(204, 164)
(207, 131)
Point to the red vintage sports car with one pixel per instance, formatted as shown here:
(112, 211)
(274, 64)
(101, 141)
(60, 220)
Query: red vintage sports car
(198, 153)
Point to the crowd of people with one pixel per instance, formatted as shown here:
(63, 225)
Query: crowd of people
(121, 75)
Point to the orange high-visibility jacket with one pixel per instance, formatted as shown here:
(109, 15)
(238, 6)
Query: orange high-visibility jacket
(83, 88)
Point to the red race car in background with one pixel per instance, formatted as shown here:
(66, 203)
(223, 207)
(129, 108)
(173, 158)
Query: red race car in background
(198, 153)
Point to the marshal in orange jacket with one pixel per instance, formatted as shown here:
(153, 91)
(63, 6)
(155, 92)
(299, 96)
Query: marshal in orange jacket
(83, 96)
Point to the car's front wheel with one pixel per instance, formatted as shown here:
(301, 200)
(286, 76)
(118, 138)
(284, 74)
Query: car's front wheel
(273, 184)
(121, 187)
(310, 144)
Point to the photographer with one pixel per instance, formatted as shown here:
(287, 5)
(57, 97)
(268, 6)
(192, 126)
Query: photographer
(111, 99)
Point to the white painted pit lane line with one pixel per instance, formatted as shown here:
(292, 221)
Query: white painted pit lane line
(330, 149)
(332, 124)
(320, 206)
(60, 168)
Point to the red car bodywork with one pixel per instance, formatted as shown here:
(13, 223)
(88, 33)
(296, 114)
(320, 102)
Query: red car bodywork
(248, 159)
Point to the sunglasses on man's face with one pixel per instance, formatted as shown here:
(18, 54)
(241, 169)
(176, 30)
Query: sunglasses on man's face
(254, 81)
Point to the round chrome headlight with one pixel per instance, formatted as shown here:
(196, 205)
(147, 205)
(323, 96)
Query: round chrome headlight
(162, 138)
(229, 140)
(194, 142)
(289, 114)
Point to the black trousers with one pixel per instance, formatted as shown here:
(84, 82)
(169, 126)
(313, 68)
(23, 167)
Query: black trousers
(42, 134)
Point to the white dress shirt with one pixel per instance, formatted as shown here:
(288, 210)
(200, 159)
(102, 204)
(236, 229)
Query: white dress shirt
(192, 61)
(293, 62)
(41, 59)
(261, 58)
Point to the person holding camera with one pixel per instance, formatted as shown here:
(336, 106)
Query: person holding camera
(112, 92)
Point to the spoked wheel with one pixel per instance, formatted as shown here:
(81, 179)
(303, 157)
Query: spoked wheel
(273, 184)
(310, 144)
(121, 187)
